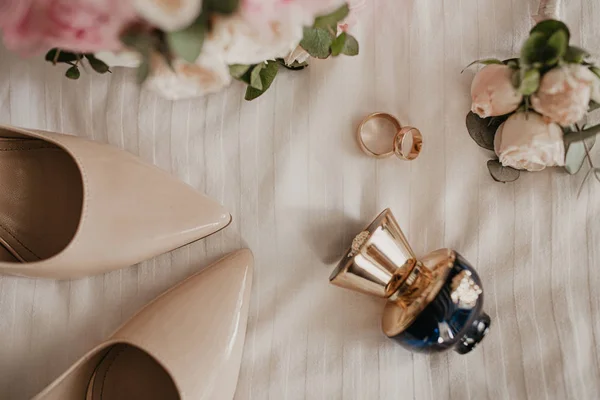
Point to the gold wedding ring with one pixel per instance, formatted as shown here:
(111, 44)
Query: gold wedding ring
(416, 146)
(398, 146)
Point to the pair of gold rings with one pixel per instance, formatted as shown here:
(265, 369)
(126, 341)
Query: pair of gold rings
(399, 146)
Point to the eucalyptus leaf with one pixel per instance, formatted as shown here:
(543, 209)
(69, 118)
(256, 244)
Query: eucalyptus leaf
(73, 73)
(338, 44)
(317, 42)
(97, 65)
(576, 153)
(501, 173)
(331, 20)
(549, 27)
(575, 55)
(255, 78)
(483, 130)
(595, 70)
(222, 6)
(187, 43)
(62, 57)
(484, 61)
(530, 82)
(267, 75)
(584, 134)
(238, 70)
(351, 47)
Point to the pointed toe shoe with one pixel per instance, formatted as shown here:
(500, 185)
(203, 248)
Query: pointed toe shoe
(187, 344)
(71, 208)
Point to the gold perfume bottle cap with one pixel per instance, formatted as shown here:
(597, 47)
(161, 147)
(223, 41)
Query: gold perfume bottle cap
(379, 261)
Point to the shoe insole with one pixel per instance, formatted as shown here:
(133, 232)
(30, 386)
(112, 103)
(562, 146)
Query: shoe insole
(128, 373)
(41, 197)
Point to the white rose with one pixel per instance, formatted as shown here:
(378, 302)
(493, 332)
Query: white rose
(209, 74)
(565, 92)
(124, 58)
(169, 15)
(528, 141)
(245, 42)
(493, 93)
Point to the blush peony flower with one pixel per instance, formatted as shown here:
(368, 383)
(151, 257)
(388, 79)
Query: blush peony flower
(169, 15)
(75, 25)
(564, 94)
(493, 93)
(528, 141)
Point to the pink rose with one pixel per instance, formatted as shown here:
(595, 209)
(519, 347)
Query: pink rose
(564, 94)
(528, 141)
(493, 93)
(74, 25)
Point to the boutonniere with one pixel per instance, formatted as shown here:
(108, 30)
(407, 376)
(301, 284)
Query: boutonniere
(532, 110)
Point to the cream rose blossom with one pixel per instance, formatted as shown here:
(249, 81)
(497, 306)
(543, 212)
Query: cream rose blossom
(209, 74)
(265, 29)
(493, 93)
(564, 94)
(527, 141)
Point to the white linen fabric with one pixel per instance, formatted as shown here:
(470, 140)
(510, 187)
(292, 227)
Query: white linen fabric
(289, 170)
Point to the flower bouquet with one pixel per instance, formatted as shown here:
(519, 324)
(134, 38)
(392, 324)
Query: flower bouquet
(531, 110)
(183, 48)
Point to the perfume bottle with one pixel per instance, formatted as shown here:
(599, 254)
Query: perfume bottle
(433, 303)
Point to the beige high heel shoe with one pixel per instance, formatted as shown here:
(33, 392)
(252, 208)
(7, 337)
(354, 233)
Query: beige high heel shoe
(186, 344)
(70, 207)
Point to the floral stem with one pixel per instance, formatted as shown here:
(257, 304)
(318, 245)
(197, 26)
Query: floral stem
(55, 60)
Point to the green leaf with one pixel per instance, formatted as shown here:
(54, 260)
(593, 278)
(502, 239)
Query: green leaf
(549, 27)
(73, 73)
(530, 82)
(484, 61)
(331, 20)
(351, 47)
(501, 173)
(596, 71)
(344, 44)
(317, 42)
(97, 65)
(559, 42)
(60, 56)
(255, 78)
(536, 52)
(575, 55)
(483, 130)
(267, 75)
(238, 70)
(143, 42)
(575, 154)
(222, 6)
(581, 135)
(187, 43)
(338, 44)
